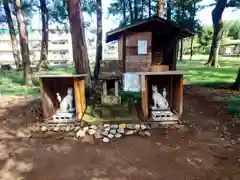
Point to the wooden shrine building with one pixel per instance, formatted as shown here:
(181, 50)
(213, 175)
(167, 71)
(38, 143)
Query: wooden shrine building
(161, 36)
(149, 48)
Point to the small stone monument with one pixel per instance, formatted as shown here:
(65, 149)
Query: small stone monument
(160, 109)
(66, 110)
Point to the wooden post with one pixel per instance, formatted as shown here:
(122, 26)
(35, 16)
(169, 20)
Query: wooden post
(181, 96)
(145, 96)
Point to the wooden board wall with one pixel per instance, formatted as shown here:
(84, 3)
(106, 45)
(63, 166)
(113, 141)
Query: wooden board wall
(177, 88)
(133, 61)
(79, 90)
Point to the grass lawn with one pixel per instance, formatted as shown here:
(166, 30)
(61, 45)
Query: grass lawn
(194, 70)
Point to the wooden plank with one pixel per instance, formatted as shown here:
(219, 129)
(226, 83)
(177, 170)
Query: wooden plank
(181, 96)
(80, 101)
(133, 37)
(47, 104)
(62, 75)
(145, 97)
(171, 91)
(82, 96)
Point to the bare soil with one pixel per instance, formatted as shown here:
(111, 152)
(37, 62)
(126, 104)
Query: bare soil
(206, 148)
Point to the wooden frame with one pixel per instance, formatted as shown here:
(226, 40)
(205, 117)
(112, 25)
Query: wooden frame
(50, 84)
(175, 90)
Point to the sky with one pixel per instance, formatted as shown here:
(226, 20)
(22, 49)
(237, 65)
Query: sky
(111, 23)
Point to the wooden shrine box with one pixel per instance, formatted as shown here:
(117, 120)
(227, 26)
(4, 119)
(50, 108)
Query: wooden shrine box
(158, 36)
(50, 85)
(172, 81)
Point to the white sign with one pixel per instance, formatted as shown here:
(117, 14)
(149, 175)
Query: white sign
(142, 47)
(131, 82)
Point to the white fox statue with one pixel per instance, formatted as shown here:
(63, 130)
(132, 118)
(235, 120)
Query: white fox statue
(158, 99)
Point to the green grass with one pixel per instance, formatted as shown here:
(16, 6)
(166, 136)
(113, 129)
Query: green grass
(194, 72)
(233, 105)
(11, 82)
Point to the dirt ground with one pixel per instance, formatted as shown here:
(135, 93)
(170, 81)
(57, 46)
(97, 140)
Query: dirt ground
(207, 148)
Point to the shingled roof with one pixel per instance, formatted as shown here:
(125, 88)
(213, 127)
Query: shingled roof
(110, 69)
(152, 24)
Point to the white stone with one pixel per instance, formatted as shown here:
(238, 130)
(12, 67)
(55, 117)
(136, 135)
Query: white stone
(105, 133)
(113, 131)
(137, 127)
(85, 129)
(56, 129)
(80, 133)
(44, 128)
(130, 126)
(106, 140)
(147, 133)
(68, 128)
(93, 127)
(106, 125)
(142, 133)
(114, 126)
(91, 131)
(107, 129)
(118, 135)
(130, 132)
(120, 130)
(76, 129)
(110, 136)
(98, 135)
(143, 127)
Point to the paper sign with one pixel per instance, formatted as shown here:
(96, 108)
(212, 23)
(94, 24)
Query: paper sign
(131, 82)
(142, 47)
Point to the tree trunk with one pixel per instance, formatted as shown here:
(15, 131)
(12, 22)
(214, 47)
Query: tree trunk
(237, 81)
(135, 10)
(80, 56)
(131, 10)
(99, 39)
(169, 10)
(160, 8)
(217, 34)
(181, 50)
(124, 11)
(216, 41)
(13, 35)
(44, 45)
(142, 8)
(191, 50)
(193, 14)
(149, 8)
(23, 38)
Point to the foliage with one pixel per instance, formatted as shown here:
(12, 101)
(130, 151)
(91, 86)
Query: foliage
(58, 11)
(232, 29)
(128, 96)
(204, 38)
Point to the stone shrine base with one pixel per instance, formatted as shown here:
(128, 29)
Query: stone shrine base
(165, 116)
(62, 118)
